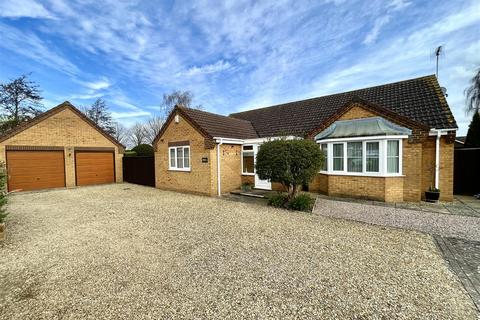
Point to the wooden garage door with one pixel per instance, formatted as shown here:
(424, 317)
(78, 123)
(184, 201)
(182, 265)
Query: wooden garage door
(94, 167)
(33, 170)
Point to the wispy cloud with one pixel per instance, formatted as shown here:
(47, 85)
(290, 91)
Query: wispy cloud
(206, 69)
(23, 9)
(236, 54)
(373, 34)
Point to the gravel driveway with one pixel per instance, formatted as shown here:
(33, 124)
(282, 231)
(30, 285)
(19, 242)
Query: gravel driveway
(446, 225)
(125, 251)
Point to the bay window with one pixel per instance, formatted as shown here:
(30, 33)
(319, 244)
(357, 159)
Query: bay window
(372, 156)
(324, 148)
(354, 157)
(393, 156)
(369, 156)
(179, 158)
(338, 157)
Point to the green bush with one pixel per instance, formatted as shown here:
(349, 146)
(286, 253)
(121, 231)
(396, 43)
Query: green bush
(302, 202)
(129, 153)
(278, 200)
(292, 163)
(143, 150)
(246, 186)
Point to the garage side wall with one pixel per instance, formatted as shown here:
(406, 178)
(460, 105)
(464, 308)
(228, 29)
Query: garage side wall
(64, 129)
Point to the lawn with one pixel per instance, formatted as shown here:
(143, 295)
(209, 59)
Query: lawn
(125, 251)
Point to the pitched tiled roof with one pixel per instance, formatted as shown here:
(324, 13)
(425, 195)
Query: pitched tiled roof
(215, 125)
(47, 114)
(419, 99)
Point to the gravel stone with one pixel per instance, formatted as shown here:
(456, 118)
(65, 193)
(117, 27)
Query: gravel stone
(446, 225)
(131, 252)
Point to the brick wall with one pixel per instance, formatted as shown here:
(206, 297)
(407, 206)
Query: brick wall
(357, 112)
(64, 129)
(446, 167)
(230, 167)
(394, 189)
(355, 186)
(199, 179)
(319, 184)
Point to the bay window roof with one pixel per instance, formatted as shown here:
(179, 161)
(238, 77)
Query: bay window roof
(375, 126)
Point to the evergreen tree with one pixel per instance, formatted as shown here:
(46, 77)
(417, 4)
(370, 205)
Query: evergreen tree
(473, 135)
(98, 113)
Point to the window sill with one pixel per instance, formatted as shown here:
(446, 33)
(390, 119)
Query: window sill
(248, 174)
(360, 174)
(179, 170)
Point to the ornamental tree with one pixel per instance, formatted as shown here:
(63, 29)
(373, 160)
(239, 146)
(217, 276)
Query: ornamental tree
(292, 163)
(473, 135)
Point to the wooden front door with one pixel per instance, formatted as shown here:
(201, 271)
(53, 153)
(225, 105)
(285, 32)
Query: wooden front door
(92, 167)
(34, 170)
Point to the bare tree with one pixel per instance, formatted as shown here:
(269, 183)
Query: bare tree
(121, 133)
(98, 113)
(473, 94)
(152, 128)
(176, 97)
(137, 134)
(20, 100)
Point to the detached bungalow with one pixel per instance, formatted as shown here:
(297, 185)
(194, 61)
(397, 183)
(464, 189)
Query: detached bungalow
(388, 143)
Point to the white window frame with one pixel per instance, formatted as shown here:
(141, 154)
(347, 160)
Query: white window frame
(253, 151)
(175, 168)
(382, 141)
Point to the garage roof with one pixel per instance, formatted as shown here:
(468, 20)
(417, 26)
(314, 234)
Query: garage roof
(65, 105)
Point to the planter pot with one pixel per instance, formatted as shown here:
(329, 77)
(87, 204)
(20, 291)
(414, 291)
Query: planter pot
(432, 196)
(3, 232)
(246, 188)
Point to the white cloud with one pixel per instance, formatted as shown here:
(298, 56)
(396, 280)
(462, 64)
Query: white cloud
(23, 9)
(206, 69)
(377, 26)
(104, 83)
(399, 4)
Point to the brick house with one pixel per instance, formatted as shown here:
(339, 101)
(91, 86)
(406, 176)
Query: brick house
(60, 148)
(390, 143)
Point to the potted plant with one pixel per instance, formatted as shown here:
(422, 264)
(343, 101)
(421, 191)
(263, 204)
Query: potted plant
(3, 201)
(246, 187)
(432, 194)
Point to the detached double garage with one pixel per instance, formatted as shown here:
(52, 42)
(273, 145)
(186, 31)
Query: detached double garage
(60, 148)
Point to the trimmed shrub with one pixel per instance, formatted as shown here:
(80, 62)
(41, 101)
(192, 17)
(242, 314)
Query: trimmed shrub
(302, 202)
(292, 163)
(278, 200)
(143, 150)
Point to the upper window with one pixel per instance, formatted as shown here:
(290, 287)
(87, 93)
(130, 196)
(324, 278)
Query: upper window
(393, 156)
(179, 158)
(248, 160)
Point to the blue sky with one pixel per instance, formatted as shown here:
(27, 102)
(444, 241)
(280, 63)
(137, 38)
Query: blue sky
(233, 55)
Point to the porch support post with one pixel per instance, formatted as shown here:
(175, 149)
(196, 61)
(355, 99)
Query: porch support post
(437, 160)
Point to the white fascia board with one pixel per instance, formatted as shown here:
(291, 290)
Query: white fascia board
(363, 138)
(443, 132)
(228, 140)
(262, 140)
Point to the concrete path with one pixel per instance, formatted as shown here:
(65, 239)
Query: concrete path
(446, 225)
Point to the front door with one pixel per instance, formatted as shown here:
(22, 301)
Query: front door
(259, 183)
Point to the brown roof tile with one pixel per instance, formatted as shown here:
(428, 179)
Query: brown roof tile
(419, 99)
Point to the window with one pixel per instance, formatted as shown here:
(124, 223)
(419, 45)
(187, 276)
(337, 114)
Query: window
(354, 157)
(179, 158)
(372, 156)
(248, 160)
(338, 157)
(324, 148)
(393, 156)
